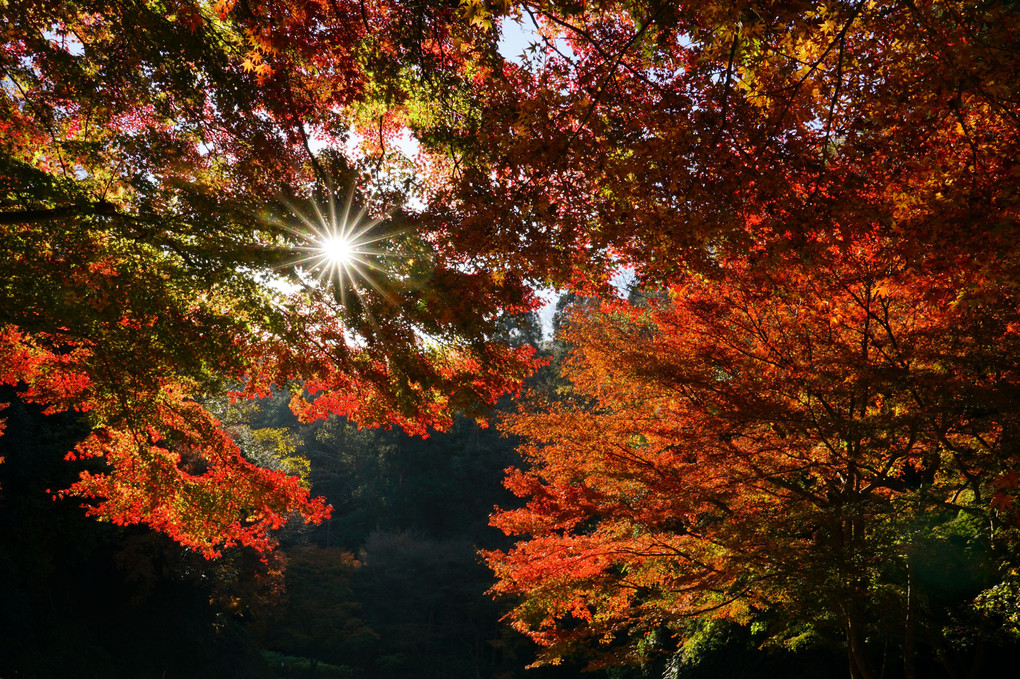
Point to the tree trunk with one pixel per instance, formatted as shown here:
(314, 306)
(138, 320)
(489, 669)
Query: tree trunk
(856, 652)
(909, 634)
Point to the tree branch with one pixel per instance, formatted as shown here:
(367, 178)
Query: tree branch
(100, 208)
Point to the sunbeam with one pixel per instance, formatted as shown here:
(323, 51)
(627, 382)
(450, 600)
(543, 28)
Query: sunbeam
(339, 247)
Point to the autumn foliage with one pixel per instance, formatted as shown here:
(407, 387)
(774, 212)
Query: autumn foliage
(159, 184)
(818, 202)
(768, 439)
(817, 370)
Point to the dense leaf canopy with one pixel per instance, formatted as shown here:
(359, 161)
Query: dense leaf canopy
(166, 169)
(818, 199)
(821, 200)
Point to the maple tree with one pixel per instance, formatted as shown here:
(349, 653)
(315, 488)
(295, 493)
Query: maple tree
(773, 438)
(160, 172)
(655, 134)
(819, 188)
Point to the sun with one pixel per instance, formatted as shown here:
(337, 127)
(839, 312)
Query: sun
(337, 251)
(340, 247)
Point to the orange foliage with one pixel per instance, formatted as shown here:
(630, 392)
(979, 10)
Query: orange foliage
(745, 440)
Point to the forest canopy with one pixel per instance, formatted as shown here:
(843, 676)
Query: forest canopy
(818, 202)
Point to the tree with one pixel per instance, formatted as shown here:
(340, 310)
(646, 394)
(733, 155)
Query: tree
(784, 440)
(721, 148)
(89, 599)
(320, 619)
(158, 177)
(157, 159)
(657, 135)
